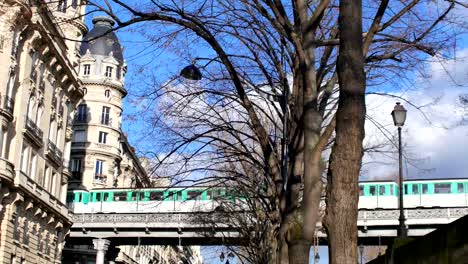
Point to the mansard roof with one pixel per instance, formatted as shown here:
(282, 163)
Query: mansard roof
(99, 41)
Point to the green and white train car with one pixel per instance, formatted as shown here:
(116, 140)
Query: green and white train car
(175, 199)
(417, 193)
(373, 195)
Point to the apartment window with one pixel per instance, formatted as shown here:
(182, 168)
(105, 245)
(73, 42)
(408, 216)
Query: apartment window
(82, 113)
(75, 165)
(79, 136)
(75, 3)
(85, 91)
(16, 233)
(62, 6)
(102, 137)
(75, 168)
(86, 69)
(33, 58)
(24, 158)
(105, 115)
(40, 241)
(107, 93)
(46, 184)
(109, 71)
(53, 184)
(26, 232)
(32, 168)
(47, 244)
(98, 170)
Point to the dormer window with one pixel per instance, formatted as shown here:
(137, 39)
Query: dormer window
(86, 69)
(109, 71)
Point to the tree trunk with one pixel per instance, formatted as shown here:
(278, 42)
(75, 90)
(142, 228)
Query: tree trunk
(346, 157)
(299, 252)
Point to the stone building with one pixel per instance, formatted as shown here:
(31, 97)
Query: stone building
(39, 90)
(101, 156)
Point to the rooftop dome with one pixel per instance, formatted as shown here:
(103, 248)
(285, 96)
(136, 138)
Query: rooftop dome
(104, 44)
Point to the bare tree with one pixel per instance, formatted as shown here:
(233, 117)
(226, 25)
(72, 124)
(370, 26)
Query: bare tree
(321, 47)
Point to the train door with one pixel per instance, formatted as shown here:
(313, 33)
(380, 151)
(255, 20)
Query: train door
(173, 196)
(84, 197)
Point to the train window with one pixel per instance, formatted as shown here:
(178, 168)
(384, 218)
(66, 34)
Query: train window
(406, 191)
(175, 196)
(361, 190)
(156, 196)
(120, 196)
(381, 190)
(98, 197)
(213, 194)
(391, 189)
(425, 188)
(194, 195)
(372, 190)
(460, 187)
(134, 196)
(69, 197)
(105, 196)
(442, 188)
(415, 189)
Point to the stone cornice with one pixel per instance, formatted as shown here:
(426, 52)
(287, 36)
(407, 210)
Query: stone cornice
(99, 82)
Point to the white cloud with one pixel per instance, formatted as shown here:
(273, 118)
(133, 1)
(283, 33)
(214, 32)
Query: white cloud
(435, 139)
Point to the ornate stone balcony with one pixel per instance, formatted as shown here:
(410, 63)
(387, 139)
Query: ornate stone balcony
(33, 131)
(33, 188)
(6, 109)
(8, 104)
(7, 170)
(54, 153)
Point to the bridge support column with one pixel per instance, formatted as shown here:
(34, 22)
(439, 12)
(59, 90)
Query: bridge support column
(101, 245)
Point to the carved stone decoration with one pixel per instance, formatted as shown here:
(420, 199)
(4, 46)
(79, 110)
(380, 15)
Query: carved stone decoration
(28, 204)
(37, 211)
(50, 219)
(58, 225)
(68, 133)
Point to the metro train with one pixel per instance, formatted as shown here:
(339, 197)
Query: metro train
(373, 195)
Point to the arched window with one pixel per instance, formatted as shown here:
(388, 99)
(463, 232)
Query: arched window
(107, 93)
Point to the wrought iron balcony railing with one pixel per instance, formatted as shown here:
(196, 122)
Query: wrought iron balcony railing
(106, 121)
(31, 127)
(100, 178)
(54, 151)
(81, 119)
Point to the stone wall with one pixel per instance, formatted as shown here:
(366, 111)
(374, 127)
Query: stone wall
(448, 244)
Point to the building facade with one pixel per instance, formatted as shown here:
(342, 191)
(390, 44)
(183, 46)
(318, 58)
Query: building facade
(101, 156)
(39, 90)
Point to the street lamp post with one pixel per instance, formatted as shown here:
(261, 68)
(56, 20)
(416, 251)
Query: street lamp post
(399, 117)
(361, 252)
